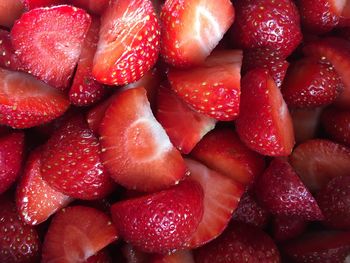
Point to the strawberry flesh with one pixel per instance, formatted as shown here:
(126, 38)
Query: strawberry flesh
(96, 7)
(306, 123)
(8, 57)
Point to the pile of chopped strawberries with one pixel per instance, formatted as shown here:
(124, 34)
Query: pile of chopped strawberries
(174, 131)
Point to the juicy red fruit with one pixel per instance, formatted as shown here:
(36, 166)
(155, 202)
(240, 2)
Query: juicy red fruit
(8, 58)
(31, 4)
(96, 7)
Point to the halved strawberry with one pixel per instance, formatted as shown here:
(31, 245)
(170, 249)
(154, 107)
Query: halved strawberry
(221, 197)
(10, 11)
(191, 29)
(264, 123)
(96, 7)
(222, 150)
(129, 42)
(77, 233)
(8, 58)
(306, 123)
(318, 161)
(184, 126)
(31, 4)
(136, 149)
(181, 256)
(287, 227)
(163, 221)
(48, 42)
(213, 88)
(101, 257)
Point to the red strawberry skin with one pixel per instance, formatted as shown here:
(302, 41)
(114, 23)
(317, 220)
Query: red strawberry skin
(96, 7)
(162, 221)
(287, 227)
(10, 11)
(8, 58)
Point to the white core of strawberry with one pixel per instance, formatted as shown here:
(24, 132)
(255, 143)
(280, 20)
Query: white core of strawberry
(339, 5)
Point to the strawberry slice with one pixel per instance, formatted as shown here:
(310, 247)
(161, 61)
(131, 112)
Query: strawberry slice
(191, 29)
(36, 200)
(129, 42)
(264, 123)
(306, 123)
(31, 4)
(44, 37)
(96, 7)
(77, 233)
(184, 126)
(8, 58)
(213, 88)
(162, 221)
(136, 149)
(10, 11)
(318, 161)
(222, 150)
(181, 256)
(288, 227)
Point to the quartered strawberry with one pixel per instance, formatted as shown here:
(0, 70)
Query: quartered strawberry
(287, 227)
(136, 149)
(96, 7)
(162, 221)
(222, 150)
(48, 42)
(101, 257)
(221, 197)
(306, 123)
(311, 83)
(10, 11)
(77, 233)
(318, 161)
(71, 162)
(181, 256)
(267, 24)
(36, 200)
(8, 58)
(239, 243)
(85, 90)
(264, 123)
(26, 102)
(129, 42)
(191, 29)
(213, 88)
(184, 126)
(31, 4)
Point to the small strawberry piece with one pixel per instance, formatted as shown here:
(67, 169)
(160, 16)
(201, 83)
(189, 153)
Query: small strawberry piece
(31, 4)
(8, 58)
(191, 29)
(136, 149)
(162, 221)
(96, 7)
(311, 83)
(48, 42)
(281, 191)
(11, 156)
(306, 123)
(267, 24)
(71, 162)
(184, 126)
(264, 123)
(334, 201)
(129, 42)
(214, 88)
(222, 150)
(239, 243)
(77, 233)
(181, 256)
(36, 200)
(318, 161)
(287, 227)
(326, 246)
(221, 197)
(10, 11)
(101, 257)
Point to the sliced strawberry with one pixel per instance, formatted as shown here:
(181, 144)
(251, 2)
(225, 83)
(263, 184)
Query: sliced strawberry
(136, 149)
(129, 42)
(8, 58)
(184, 126)
(77, 233)
(96, 7)
(162, 221)
(318, 161)
(48, 42)
(10, 11)
(31, 4)
(306, 123)
(191, 29)
(181, 256)
(213, 88)
(221, 197)
(222, 150)
(101, 257)
(288, 227)
(264, 123)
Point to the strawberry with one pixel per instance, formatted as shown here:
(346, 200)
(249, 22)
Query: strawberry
(318, 161)
(184, 126)
(311, 83)
(10, 11)
(334, 201)
(96, 7)
(129, 132)
(222, 150)
(162, 221)
(11, 156)
(129, 42)
(36, 200)
(306, 123)
(44, 37)
(239, 243)
(267, 24)
(71, 162)
(101, 257)
(31, 4)
(264, 123)
(77, 233)
(288, 227)
(181, 256)
(85, 90)
(191, 29)
(221, 197)
(8, 58)
(213, 88)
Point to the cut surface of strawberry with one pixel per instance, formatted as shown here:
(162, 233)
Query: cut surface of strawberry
(8, 58)
(191, 29)
(10, 11)
(181, 256)
(101, 257)
(45, 37)
(306, 123)
(287, 227)
(96, 7)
